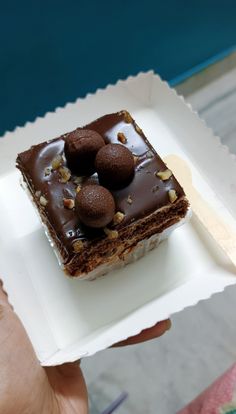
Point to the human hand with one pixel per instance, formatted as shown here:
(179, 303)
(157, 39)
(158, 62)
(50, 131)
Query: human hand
(27, 388)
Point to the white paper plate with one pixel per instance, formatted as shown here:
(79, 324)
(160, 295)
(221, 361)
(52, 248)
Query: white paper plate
(68, 319)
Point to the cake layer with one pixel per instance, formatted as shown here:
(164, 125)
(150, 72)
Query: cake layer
(104, 251)
(134, 253)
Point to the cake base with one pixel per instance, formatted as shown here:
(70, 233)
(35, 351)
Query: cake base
(124, 253)
(137, 252)
(115, 262)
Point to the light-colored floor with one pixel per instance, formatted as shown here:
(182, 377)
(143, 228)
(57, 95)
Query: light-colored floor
(163, 375)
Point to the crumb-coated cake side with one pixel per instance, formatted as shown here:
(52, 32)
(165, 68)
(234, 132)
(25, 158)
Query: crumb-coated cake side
(101, 190)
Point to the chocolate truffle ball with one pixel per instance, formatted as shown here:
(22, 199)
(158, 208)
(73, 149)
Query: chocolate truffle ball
(95, 206)
(81, 147)
(115, 166)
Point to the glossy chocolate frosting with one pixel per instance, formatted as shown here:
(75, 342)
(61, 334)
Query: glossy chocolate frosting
(145, 194)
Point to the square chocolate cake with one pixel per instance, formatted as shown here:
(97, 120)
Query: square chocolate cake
(103, 193)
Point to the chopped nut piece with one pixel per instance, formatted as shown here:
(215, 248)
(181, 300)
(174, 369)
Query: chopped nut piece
(78, 180)
(129, 200)
(149, 154)
(135, 159)
(43, 201)
(78, 188)
(47, 171)
(138, 129)
(128, 117)
(65, 174)
(78, 246)
(57, 162)
(38, 193)
(172, 196)
(69, 203)
(121, 137)
(111, 234)
(164, 175)
(118, 217)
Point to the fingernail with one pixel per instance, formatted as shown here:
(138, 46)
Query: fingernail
(168, 324)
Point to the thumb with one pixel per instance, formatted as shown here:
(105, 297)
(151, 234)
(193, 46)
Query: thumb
(68, 383)
(3, 295)
(7, 318)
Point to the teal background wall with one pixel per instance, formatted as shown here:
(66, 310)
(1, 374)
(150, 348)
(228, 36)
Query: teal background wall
(54, 51)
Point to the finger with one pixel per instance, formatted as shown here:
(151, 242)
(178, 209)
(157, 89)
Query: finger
(3, 294)
(150, 333)
(69, 369)
(68, 382)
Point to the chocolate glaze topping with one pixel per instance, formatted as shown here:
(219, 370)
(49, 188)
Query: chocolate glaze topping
(145, 193)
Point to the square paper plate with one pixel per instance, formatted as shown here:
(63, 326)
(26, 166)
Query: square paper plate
(68, 319)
